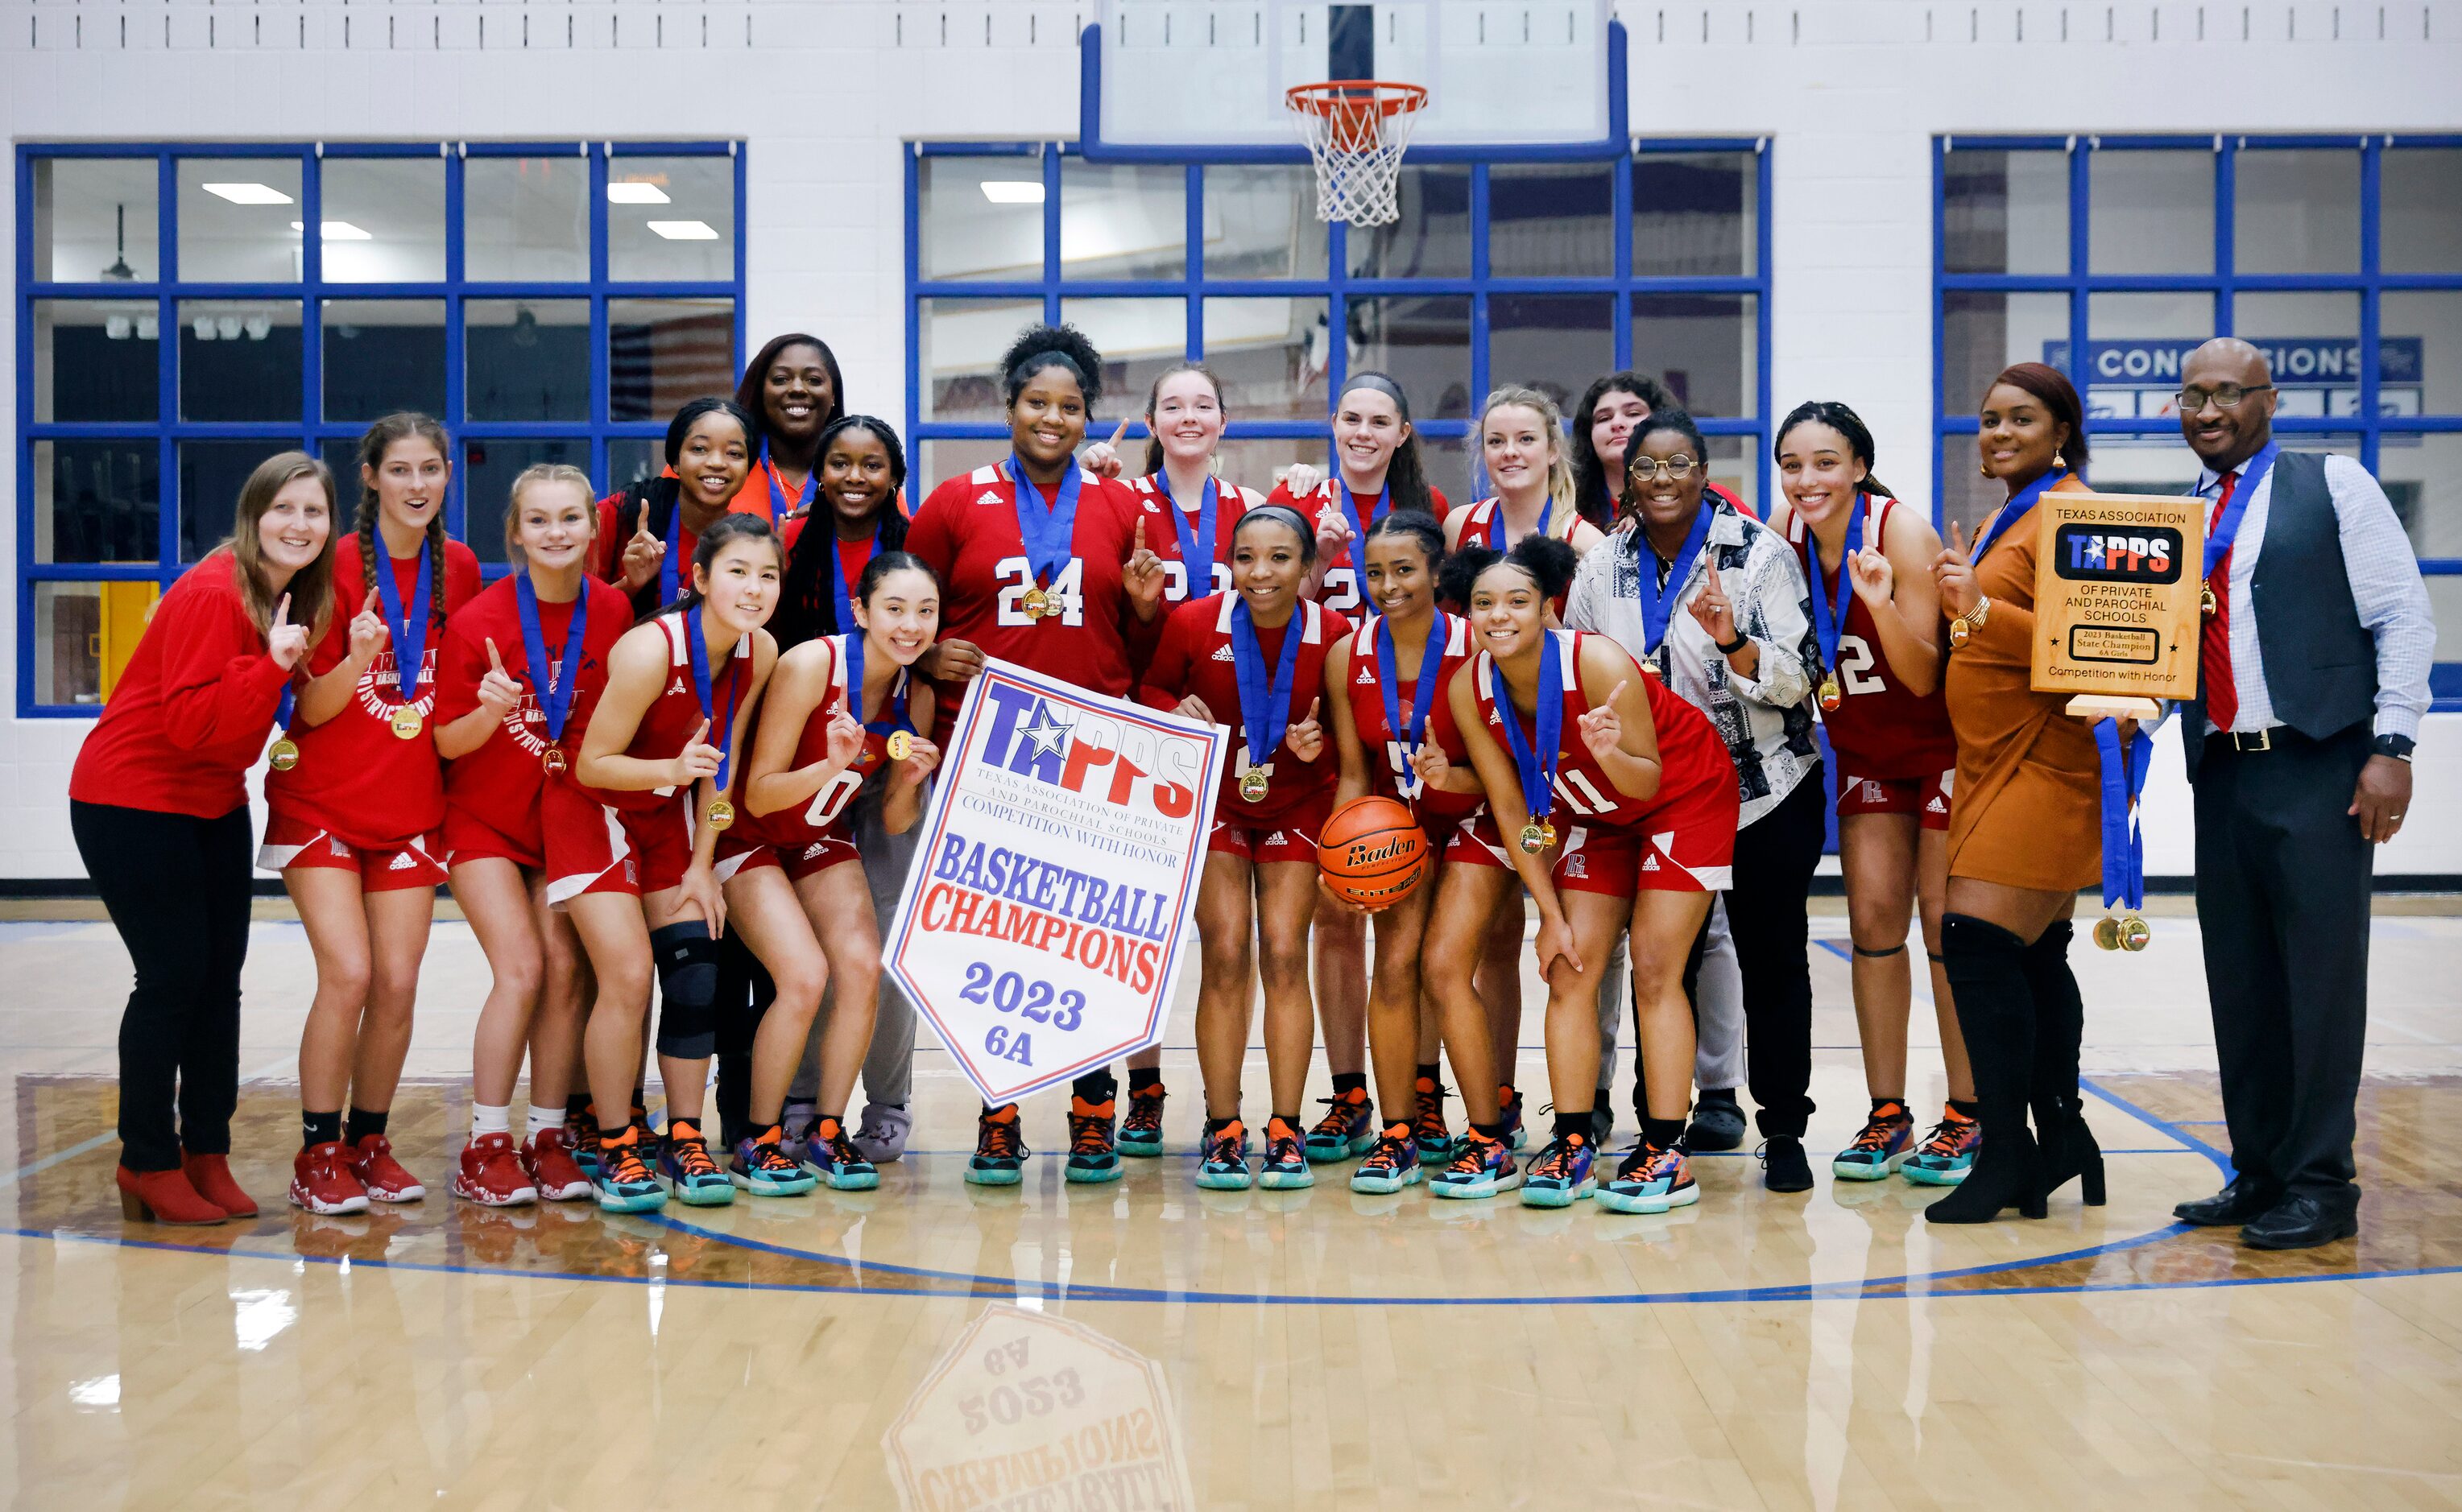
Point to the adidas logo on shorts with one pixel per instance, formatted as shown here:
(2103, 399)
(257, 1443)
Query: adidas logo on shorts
(1935, 806)
(1274, 838)
(1649, 863)
(1222, 654)
(812, 852)
(402, 861)
(988, 497)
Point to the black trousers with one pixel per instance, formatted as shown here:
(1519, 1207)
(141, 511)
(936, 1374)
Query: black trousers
(2282, 901)
(178, 890)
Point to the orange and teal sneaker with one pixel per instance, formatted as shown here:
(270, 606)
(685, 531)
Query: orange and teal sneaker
(1392, 1162)
(1508, 1110)
(1141, 1131)
(1652, 1179)
(1884, 1144)
(1481, 1167)
(763, 1167)
(832, 1158)
(999, 1149)
(1223, 1158)
(1285, 1165)
(1348, 1127)
(1947, 1153)
(1428, 1129)
(1093, 1155)
(1561, 1176)
(686, 1170)
(622, 1178)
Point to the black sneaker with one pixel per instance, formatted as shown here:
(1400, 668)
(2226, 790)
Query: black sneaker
(1783, 1166)
(1717, 1122)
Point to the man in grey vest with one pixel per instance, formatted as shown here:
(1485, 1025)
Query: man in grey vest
(2312, 676)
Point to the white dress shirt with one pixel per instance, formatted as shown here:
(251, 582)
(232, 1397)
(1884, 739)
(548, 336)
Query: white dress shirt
(2385, 588)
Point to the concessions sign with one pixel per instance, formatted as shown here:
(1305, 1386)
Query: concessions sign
(1055, 880)
(2117, 585)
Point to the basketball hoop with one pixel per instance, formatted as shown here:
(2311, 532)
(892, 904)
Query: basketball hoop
(1355, 131)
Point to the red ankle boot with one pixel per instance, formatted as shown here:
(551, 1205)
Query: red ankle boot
(163, 1197)
(211, 1176)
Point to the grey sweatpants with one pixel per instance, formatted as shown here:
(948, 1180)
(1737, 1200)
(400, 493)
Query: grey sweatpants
(1717, 1009)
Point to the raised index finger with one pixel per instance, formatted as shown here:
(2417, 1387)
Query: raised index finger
(700, 736)
(493, 659)
(1140, 544)
(1114, 442)
(282, 611)
(1957, 537)
(1622, 683)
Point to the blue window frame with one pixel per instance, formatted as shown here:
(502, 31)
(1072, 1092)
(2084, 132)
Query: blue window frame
(2341, 256)
(537, 316)
(1690, 286)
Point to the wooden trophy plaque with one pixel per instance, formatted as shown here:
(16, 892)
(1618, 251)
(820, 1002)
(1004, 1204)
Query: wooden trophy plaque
(2118, 580)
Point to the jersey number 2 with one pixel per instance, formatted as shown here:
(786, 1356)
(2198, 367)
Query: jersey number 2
(1855, 666)
(1015, 577)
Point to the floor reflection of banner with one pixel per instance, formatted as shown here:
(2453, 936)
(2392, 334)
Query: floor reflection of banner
(1032, 1411)
(1054, 879)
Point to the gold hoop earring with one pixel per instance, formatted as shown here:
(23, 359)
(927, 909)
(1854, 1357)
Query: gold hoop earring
(2060, 461)
(1986, 469)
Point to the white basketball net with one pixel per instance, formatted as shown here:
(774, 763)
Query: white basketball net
(1355, 133)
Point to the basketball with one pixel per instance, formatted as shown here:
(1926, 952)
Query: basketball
(1372, 852)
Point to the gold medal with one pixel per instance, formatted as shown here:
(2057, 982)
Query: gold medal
(1959, 631)
(284, 755)
(720, 814)
(2135, 933)
(407, 722)
(1831, 696)
(1253, 785)
(1535, 837)
(2207, 603)
(1548, 834)
(1035, 603)
(901, 745)
(553, 759)
(2106, 933)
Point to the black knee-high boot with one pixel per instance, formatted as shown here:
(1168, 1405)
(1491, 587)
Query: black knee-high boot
(1996, 1011)
(2066, 1147)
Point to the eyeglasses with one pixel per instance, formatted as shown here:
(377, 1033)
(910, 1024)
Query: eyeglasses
(2225, 395)
(1678, 467)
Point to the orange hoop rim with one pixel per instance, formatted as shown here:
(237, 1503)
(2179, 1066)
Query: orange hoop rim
(1333, 97)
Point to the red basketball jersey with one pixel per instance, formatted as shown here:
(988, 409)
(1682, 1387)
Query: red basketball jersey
(1195, 657)
(1341, 590)
(1154, 503)
(499, 782)
(1880, 728)
(1390, 771)
(824, 813)
(1690, 757)
(676, 713)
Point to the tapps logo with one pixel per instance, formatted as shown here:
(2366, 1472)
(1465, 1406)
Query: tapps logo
(1068, 746)
(2093, 554)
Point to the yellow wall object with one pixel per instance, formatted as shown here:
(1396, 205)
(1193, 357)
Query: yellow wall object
(126, 609)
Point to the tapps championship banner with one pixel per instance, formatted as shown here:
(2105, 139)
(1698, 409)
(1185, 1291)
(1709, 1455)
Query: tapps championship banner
(1056, 874)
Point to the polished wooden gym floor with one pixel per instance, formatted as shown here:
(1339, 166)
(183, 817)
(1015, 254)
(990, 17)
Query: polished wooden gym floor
(932, 1344)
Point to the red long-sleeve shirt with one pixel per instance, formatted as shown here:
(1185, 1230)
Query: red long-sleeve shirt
(192, 710)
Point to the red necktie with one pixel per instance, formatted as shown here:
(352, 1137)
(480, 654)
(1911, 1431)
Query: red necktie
(2213, 643)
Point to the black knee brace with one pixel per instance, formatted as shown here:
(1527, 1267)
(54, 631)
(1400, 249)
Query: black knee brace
(687, 960)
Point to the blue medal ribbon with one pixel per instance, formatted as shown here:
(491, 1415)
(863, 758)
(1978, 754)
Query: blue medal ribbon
(1495, 523)
(722, 731)
(2124, 842)
(409, 632)
(1383, 507)
(1534, 756)
(1048, 534)
(2218, 541)
(282, 710)
(1827, 624)
(1658, 602)
(841, 592)
(1196, 546)
(2019, 504)
(1423, 694)
(1264, 710)
(779, 508)
(895, 719)
(551, 683)
(668, 571)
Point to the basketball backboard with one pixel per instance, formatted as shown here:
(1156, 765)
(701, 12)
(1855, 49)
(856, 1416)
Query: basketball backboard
(1209, 78)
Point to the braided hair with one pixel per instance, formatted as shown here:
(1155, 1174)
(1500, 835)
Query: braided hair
(401, 426)
(806, 609)
(1847, 423)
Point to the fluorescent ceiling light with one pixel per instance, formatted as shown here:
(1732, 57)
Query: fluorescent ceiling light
(338, 232)
(684, 230)
(636, 192)
(1013, 191)
(248, 193)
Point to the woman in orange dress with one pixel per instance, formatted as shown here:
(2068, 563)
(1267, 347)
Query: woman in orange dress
(2026, 820)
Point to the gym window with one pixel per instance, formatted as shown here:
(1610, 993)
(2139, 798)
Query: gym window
(176, 325)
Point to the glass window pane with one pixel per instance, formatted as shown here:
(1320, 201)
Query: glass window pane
(1552, 221)
(1432, 237)
(525, 359)
(68, 639)
(488, 468)
(210, 475)
(1138, 338)
(662, 352)
(1269, 355)
(982, 218)
(2445, 602)
(239, 219)
(97, 501)
(526, 218)
(2296, 211)
(2004, 212)
(2311, 341)
(2423, 476)
(1705, 348)
(2420, 197)
(384, 219)
(687, 233)
(1260, 461)
(1966, 495)
(1555, 343)
(96, 360)
(239, 359)
(1696, 214)
(1423, 343)
(630, 458)
(341, 454)
(2419, 351)
(94, 220)
(1122, 219)
(2151, 211)
(2134, 347)
(963, 342)
(944, 459)
(382, 355)
(1260, 223)
(1735, 466)
(1983, 332)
